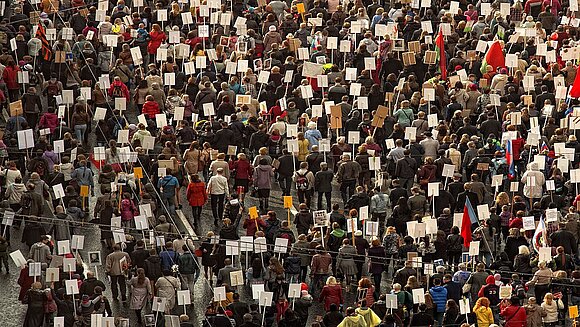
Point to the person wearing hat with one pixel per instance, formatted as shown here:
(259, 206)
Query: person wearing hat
(271, 37)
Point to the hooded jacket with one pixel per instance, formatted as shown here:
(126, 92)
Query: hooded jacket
(335, 239)
(263, 175)
(353, 321)
(439, 295)
(490, 291)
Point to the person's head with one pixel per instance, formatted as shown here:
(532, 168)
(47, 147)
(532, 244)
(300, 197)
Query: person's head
(482, 302)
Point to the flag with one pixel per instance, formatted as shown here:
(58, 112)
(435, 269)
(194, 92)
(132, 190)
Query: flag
(544, 147)
(469, 218)
(46, 50)
(509, 156)
(575, 90)
(494, 58)
(440, 48)
(539, 238)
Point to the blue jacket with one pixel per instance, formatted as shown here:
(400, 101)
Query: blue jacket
(439, 295)
(168, 259)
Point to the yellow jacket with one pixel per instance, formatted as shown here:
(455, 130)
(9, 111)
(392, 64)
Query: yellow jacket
(303, 149)
(484, 316)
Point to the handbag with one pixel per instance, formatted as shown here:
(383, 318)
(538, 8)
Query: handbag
(466, 288)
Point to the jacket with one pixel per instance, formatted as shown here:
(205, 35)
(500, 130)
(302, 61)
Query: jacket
(263, 176)
(515, 316)
(196, 194)
(379, 203)
(48, 120)
(406, 168)
(323, 181)
(439, 295)
(331, 294)
(88, 286)
(187, 264)
(348, 171)
(31, 103)
(490, 291)
(243, 169)
(484, 316)
(150, 109)
(113, 263)
(534, 313)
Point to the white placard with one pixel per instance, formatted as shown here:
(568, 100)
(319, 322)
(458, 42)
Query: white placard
(72, 287)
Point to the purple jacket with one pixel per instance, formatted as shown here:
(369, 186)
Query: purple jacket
(51, 158)
(263, 175)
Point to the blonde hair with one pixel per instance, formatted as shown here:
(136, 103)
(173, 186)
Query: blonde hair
(331, 280)
(522, 249)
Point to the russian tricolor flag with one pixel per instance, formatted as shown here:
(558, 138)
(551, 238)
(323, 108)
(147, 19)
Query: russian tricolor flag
(509, 156)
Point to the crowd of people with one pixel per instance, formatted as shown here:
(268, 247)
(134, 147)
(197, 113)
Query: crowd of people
(365, 163)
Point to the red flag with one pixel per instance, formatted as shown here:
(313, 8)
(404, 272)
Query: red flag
(466, 226)
(494, 58)
(575, 91)
(440, 44)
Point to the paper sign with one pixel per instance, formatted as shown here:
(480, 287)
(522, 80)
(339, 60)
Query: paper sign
(418, 296)
(287, 202)
(237, 278)
(464, 306)
(474, 248)
(257, 289)
(159, 304)
(265, 299)
(281, 245)
(63, 247)
(433, 189)
(232, 248)
(78, 242)
(545, 254)
(505, 292)
(529, 223)
(573, 311)
(18, 258)
(184, 297)
(72, 287)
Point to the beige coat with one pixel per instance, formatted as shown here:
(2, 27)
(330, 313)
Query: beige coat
(113, 263)
(191, 158)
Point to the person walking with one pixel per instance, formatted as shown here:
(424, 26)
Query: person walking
(262, 178)
(196, 196)
(218, 189)
(141, 293)
(116, 266)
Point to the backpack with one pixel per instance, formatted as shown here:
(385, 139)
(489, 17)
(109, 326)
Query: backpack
(33, 78)
(286, 235)
(117, 91)
(301, 182)
(502, 169)
(52, 88)
(519, 290)
(26, 201)
(272, 229)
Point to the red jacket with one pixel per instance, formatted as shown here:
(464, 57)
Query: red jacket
(150, 109)
(243, 168)
(10, 77)
(515, 316)
(331, 294)
(196, 194)
(49, 120)
(156, 39)
(123, 87)
(250, 226)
